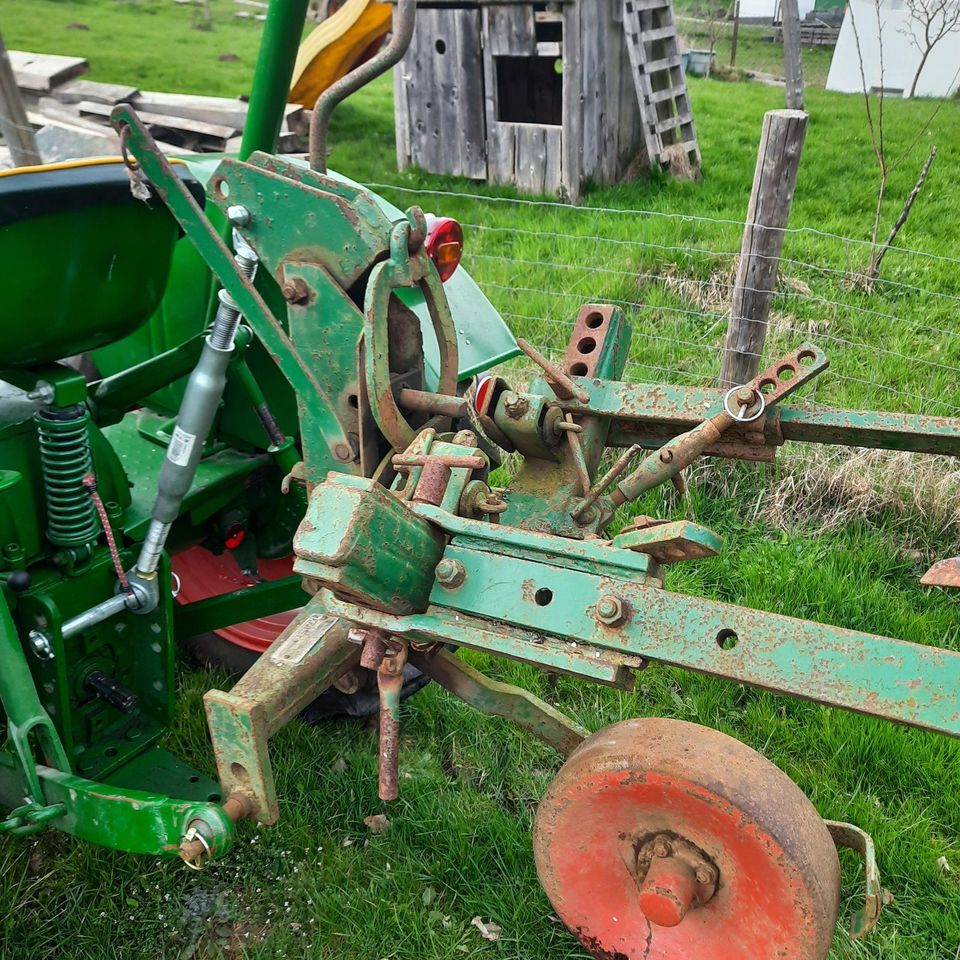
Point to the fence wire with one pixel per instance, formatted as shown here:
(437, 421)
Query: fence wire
(893, 344)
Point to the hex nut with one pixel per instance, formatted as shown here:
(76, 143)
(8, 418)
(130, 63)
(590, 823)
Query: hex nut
(610, 610)
(515, 406)
(662, 847)
(238, 215)
(295, 290)
(450, 573)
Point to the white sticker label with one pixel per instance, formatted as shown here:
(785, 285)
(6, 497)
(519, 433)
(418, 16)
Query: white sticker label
(302, 640)
(181, 444)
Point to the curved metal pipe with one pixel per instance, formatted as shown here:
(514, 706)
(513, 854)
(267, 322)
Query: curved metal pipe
(404, 18)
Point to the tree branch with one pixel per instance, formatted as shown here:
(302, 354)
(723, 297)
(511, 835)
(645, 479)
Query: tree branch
(902, 219)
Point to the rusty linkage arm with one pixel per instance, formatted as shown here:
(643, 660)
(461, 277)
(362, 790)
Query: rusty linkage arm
(740, 405)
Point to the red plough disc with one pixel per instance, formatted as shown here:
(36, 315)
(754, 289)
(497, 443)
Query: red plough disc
(665, 840)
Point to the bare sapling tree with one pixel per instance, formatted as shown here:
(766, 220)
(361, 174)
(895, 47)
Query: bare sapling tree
(714, 16)
(886, 165)
(930, 21)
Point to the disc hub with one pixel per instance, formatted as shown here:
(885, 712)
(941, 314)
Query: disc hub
(674, 877)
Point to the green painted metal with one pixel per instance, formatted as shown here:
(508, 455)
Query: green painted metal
(260, 600)
(271, 80)
(66, 460)
(358, 536)
(25, 715)
(545, 490)
(305, 659)
(501, 700)
(652, 414)
(74, 251)
(156, 770)
(134, 821)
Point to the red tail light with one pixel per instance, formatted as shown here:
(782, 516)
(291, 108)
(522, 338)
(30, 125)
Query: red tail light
(444, 245)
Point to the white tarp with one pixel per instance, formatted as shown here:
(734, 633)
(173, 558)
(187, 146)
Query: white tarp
(901, 56)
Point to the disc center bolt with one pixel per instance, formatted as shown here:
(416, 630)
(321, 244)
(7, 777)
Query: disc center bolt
(674, 877)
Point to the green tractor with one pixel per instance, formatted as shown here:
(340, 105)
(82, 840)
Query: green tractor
(271, 442)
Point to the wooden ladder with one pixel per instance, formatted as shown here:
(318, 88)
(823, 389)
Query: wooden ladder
(651, 35)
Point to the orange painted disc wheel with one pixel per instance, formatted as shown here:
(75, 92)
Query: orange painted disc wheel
(666, 840)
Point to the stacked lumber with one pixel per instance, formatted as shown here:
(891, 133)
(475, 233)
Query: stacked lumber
(72, 114)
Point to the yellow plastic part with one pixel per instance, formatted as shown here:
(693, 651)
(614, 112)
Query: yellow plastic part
(336, 46)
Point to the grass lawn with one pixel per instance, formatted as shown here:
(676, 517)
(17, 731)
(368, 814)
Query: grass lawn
(319, 884)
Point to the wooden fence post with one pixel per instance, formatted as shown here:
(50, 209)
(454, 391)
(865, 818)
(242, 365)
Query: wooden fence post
(778, 159)
(792, 63)
(17, 132)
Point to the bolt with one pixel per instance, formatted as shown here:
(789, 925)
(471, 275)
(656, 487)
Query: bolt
(450, 573)
(43, 392)
(295, 291)
(666, 456)
(706, 874)
(343, 453)
(662, 848)
(610, 610)
(515, 407)
(40, 645)
(745, 395)
(238, 215)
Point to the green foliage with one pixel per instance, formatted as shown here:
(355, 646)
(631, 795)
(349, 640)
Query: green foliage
(319, 885)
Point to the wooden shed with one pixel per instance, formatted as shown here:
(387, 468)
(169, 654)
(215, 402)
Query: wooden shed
(540, 95)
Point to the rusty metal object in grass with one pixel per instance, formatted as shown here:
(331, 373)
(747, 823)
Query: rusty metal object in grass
(500, 699)
(875, 896)
(694, 824)
(944, 573)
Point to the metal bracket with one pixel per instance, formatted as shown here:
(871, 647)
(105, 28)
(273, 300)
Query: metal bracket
(501, 700)
(875, 896)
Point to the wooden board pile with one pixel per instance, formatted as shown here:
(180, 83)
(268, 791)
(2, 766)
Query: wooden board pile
(72, 115)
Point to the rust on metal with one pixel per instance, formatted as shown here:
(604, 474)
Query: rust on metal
(389, 684)
(500, 699)
(434, 403)
(617, 470)
(656, 789)
(453, 460)
(944, 573)
(576, 454)
(585, 346)
(195, 851)
(559, 382)
(674, 876)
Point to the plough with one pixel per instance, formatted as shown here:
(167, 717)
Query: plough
(329, 427)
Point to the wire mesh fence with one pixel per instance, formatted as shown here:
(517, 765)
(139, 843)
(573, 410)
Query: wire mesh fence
(894, 343)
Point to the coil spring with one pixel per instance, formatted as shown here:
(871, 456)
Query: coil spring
(65, 460)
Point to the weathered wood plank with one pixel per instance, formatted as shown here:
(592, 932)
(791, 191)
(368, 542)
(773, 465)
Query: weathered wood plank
(17, 132)
(213, 135)
(93, 92)
(571, 146)
(509, 30)
(438, 89)
(41, 72)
